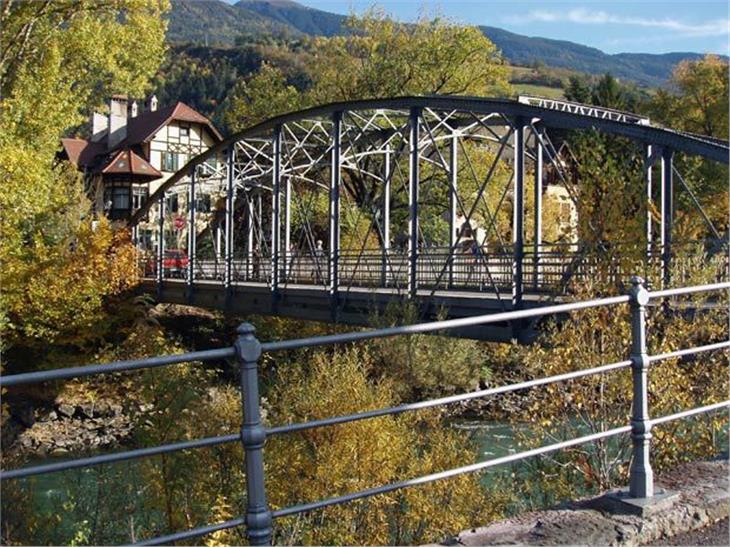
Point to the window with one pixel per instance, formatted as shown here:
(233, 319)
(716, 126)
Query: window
(184, 131)
(139, 196)
(169, 162)
(117, 200)
(171, 204)
(202, 203)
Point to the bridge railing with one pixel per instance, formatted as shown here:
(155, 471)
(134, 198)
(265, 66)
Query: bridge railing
(247, 351)
(546, 268)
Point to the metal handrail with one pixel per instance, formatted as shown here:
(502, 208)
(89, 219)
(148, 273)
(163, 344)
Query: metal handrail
(247, 351)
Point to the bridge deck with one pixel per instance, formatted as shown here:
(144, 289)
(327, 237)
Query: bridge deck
(353, 306)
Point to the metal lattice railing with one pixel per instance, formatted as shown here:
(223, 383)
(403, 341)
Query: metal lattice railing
(247, 350)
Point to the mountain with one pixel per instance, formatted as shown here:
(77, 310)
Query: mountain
(643, 68)
(217, 23)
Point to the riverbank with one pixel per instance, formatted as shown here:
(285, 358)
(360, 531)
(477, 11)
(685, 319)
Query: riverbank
(703, 499)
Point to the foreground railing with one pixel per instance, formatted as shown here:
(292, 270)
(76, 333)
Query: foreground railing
(247, 350)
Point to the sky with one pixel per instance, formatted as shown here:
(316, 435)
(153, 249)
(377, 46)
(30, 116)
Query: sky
(614, 26)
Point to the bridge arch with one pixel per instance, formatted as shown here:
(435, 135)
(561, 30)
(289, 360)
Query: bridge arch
(389, 160)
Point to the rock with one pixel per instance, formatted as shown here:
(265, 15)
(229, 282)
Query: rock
(66, 410)
(85, 410)
(59, 451)
(51, 416)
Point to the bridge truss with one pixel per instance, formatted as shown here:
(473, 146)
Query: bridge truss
(413, 196)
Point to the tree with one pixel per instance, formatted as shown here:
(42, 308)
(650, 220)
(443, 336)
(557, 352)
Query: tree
(265, 95)
(57, 61)
(384, 58)
(700, 103)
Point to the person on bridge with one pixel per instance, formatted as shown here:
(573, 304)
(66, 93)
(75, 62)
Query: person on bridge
(319, 260)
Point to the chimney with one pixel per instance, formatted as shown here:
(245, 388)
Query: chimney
(117, 120)
(133, 110)
(152, 103)
(99, 126)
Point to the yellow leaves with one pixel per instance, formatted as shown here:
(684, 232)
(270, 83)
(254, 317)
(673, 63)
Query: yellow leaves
(346, 458)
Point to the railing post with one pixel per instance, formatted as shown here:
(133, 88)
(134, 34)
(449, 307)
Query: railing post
(641, 477)
(253, 436)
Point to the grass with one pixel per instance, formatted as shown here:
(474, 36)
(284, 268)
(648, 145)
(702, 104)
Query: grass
(539, 90)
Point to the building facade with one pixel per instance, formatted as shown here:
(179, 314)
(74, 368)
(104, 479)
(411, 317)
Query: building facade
(132, 151)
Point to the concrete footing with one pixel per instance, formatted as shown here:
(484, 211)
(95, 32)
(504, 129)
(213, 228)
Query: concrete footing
(621, 502)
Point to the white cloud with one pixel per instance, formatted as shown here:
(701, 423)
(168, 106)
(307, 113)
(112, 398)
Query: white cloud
(718, 27)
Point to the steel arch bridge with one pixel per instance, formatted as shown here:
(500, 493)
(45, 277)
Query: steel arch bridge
(331, 212)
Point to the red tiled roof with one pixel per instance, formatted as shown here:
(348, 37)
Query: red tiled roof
(128, 163)
(143, 127)
(82, 153)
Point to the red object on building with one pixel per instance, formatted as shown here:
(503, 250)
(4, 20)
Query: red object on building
(179, 222)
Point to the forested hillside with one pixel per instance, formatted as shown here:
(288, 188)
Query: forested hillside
(214, 22)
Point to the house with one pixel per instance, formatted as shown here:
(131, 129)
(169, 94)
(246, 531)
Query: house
(131, 152)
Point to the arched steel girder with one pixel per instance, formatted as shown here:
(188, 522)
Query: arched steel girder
(648, 135)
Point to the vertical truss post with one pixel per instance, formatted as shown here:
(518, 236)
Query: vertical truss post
(161, 246)
(334, 208)
(287, 228)
(386, 218)
(191, 235)
(641, 476)
(413, 176)
(453, 201)
(667, 215)
(518, 214)
(276, 211)
(537, 228)
(649, 164)
(250, 224)
(228, 272)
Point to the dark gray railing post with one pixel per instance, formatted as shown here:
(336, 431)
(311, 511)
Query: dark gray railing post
(641, 477)
(253, 436)
(537, 226)
(453, 203)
